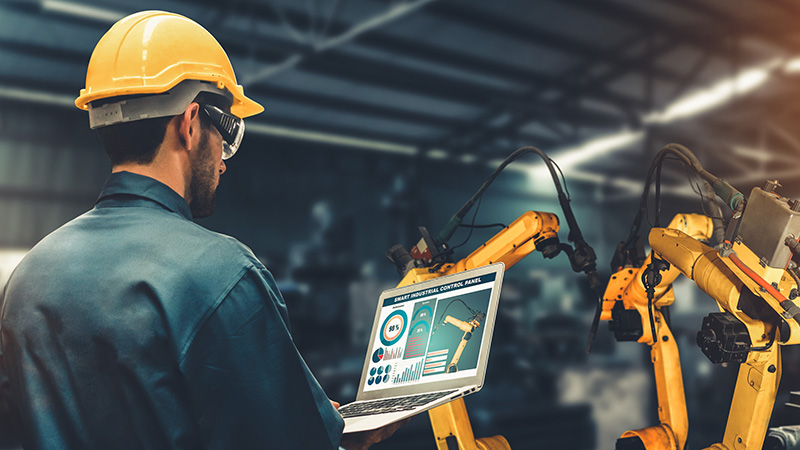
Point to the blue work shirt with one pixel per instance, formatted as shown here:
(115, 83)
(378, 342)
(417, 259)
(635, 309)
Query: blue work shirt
(133, 327)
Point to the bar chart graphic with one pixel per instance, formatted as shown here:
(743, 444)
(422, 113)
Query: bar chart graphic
(394, 353)
(415, 346)
(435, 362)
(410, 373)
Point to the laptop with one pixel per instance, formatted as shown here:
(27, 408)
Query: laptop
(429, 345)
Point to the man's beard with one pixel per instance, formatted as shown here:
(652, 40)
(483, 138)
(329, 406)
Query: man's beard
(202, 192)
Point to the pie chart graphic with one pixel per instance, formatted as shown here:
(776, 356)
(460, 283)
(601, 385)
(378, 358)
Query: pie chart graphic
(377, 356)
(393, 327)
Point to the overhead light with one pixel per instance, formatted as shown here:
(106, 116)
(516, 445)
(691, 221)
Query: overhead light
(32, 96)
(589, 150)
(598, 146)
(713, 96)
(760, 155)
(468, 158)
(82, 11)
(331, 138)
(793, 65)
(437, 153)
(691, 104)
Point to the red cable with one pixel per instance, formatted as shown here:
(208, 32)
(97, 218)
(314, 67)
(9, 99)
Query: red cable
(755, 277)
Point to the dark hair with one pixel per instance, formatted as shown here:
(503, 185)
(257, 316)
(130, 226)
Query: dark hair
(137, 141)
(133, 142)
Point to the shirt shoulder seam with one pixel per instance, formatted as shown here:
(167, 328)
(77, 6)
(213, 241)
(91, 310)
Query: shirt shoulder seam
(210, 312)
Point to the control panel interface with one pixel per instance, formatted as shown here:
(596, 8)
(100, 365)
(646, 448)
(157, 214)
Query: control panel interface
(430, 335)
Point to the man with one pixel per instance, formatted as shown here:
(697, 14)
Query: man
(132, 326)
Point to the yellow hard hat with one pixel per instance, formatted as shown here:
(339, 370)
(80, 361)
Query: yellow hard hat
(151, 52)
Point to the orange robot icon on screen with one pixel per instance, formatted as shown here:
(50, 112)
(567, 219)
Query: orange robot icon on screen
(467, 326)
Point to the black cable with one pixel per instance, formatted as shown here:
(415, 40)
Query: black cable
(697, 185)
(657, 202)
(651, 293)
(657, 219)
(583, 257)
(563, 179)
(795, 276)
(488, 225)
(769, 344)
(708, 204)
(680, 153)
(471, 226)
(444, 313)
(670, 151)
(688, 160)
(651, 290)
(452, 225)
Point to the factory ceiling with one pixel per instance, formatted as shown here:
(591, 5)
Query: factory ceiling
(599, 84)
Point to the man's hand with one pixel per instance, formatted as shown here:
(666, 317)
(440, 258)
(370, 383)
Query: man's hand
(366, 439)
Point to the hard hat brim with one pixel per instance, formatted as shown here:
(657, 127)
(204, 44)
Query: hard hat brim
(242, 106)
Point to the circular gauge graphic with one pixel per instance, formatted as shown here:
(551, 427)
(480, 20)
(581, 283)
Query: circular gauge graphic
(377, 356)
(380, 370)
(371, 381)
(386, 378)
(420, 327)
(388, 368)
(393, 327)
(424, 313)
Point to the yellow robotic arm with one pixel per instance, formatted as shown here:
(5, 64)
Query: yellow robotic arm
(734, 334)
(750, 283)
(626, 305)
(751, 279)
(532, 231)
(509, 246)
(450, 422)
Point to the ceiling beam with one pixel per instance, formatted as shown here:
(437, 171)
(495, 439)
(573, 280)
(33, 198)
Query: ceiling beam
(361, 70)
(519, 117)
(772, 32)
(485, 20)
(446, 57)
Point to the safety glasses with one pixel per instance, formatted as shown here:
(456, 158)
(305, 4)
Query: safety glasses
(229, 126)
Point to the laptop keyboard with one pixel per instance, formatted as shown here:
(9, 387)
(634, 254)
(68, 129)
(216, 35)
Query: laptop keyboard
(388, 405)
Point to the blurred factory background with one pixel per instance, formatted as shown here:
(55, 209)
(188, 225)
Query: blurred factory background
(382, 116)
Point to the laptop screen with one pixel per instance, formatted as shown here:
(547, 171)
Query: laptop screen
(435, 331)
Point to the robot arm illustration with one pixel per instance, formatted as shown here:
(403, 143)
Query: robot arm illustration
(467, 327)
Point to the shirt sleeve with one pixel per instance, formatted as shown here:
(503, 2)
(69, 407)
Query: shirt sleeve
(248, 384)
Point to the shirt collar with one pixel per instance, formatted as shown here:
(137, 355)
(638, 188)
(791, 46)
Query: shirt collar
(127, 183)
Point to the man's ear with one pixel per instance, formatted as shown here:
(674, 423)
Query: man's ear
(189, 125)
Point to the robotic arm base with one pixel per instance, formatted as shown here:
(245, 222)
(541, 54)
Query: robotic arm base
(493, 443)
(658, 437)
